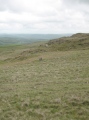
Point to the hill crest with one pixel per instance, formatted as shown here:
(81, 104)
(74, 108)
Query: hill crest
(76, 41)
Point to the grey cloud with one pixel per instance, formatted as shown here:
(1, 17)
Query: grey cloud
(81, 6)
(76, 1)
(84, 1)
(71, 15)
(10, 5)
(3, 5)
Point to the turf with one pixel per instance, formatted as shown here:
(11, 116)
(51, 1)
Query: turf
(55, 88)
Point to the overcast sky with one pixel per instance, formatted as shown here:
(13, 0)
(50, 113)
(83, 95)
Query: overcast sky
(44, 16)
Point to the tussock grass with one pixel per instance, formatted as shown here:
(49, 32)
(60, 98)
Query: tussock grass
(75, 42)
(55, 88)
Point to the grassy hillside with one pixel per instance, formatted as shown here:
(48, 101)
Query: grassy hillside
(54, 88)
(76, 41)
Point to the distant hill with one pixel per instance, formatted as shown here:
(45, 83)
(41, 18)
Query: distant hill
(76, 41)
(17, 39)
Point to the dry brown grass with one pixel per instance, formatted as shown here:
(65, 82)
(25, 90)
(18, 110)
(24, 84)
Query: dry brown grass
(56, 88)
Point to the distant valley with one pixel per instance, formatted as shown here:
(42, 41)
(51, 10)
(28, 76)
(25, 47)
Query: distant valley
(17, 39)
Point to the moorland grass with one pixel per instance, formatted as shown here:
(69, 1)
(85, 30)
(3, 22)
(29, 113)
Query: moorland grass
(55, 88)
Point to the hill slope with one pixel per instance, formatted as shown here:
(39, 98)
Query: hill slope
(76, 41)
(15, 53)
(54, 88)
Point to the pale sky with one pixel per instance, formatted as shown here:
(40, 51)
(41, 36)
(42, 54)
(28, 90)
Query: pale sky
(44, 16)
